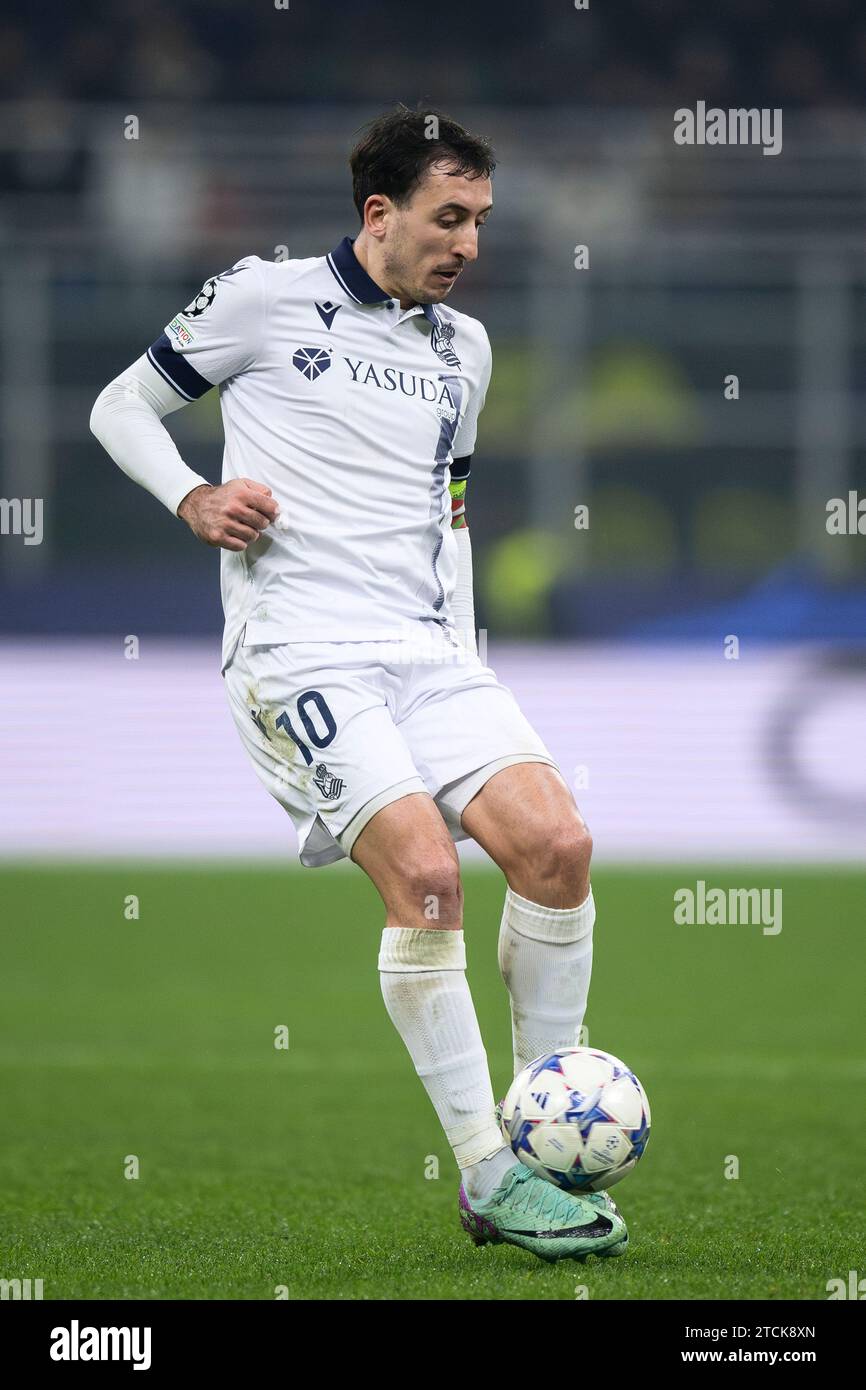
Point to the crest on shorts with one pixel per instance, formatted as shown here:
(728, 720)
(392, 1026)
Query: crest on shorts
(329, 785)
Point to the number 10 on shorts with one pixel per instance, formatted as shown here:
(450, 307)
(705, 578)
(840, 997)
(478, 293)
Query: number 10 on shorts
(316, 698)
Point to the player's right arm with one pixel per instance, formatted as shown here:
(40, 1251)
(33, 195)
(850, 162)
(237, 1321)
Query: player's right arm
(218, 335)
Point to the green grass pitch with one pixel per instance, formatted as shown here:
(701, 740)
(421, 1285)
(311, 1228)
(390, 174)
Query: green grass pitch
(307, 1167)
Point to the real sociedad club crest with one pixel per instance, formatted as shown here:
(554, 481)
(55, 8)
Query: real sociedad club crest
(440, 341)
(329, 785)
(311, 362)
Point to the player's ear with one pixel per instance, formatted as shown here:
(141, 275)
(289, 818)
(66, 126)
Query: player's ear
(378, 210)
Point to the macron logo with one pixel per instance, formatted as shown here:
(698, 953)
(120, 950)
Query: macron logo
(76, 1343)
(328, 311)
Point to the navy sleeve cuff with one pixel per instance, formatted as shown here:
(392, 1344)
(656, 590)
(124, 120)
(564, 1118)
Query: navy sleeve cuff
(176, 370)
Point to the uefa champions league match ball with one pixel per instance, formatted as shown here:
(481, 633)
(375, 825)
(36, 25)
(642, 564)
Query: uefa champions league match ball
(577, 1117)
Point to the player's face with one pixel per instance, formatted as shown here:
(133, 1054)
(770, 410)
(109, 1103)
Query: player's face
(429, 242)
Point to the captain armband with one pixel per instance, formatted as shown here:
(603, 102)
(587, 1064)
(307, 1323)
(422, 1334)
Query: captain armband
(458, 503)
(460, 469)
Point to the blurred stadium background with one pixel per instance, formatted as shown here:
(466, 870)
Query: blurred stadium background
(707, 515)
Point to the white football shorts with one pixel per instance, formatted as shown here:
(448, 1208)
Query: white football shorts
(337, 730)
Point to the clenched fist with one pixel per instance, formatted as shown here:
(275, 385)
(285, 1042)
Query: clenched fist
(230, 515)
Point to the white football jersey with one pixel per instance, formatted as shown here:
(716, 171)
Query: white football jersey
(352, 411)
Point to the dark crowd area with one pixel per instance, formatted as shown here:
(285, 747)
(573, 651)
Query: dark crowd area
(629, 52)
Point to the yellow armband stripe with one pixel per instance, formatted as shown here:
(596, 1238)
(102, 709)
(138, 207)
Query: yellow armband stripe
(457, 488)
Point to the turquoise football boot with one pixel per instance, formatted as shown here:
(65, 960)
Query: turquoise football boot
(602, 1201)
(526, 1210)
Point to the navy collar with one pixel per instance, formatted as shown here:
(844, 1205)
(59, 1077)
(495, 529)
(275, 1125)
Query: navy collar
(351, 275)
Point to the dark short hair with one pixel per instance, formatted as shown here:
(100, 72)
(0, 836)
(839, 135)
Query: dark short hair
(395, 152)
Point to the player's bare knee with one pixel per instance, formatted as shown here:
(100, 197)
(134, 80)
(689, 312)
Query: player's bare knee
(432, 886)
(559, 862)
(568, 854)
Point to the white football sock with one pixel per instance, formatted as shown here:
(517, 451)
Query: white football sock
(423, 976)
(482, 1179)
(545, 956)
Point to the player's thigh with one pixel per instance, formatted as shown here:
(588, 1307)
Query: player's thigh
(461, 723)
(461, 726)
(409, 854)
(527, 820)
